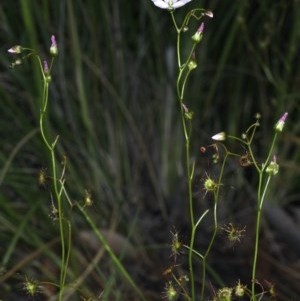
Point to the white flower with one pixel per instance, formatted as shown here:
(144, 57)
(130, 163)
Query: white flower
(170, 4)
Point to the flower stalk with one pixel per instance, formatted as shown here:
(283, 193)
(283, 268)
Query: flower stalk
(57, 182)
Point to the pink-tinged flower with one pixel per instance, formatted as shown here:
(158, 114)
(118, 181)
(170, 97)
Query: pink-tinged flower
(187, 113)
(185, 108)
(47, 75)
(170, 4)
(15, 49)
(46, 67)
(197, 37)
(53, 47)
(201, 28)
(280, 123)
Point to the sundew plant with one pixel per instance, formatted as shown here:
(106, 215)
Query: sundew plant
(61, 204)
(189, 283)
(265, 169)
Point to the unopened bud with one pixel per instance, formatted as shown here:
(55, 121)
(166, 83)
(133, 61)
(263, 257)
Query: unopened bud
(197, 37)
(53, 47)
(47, 72)
(219, 137)
(187, 113)
(273, 167)
(209, 13)
(192, 63)
(15, 49)
(280, 123)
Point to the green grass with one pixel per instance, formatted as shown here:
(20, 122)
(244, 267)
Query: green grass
(112, 102)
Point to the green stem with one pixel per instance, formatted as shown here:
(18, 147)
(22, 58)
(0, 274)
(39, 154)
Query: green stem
(178, 39)
(216, 198)
(270, 152)
(67, 258)
(187, 134)
(261, 193)
(191, 207)
(257, 227)
(183, 75)
(51, 147)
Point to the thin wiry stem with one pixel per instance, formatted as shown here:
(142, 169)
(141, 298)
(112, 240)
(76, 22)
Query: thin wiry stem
(261, 193)
(57, 192)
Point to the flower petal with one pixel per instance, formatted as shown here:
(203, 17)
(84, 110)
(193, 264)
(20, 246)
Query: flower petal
(170, 4)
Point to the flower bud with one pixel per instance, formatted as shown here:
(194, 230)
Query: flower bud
(53, 47)
(244, 136)
(257, 116)
(15, 49)
(47, 72)
(219, 137)
(209, 13)
(187, 113)
(273, 167)
(280, 123)
(197, 37)
(192, 64)
(88, 202)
